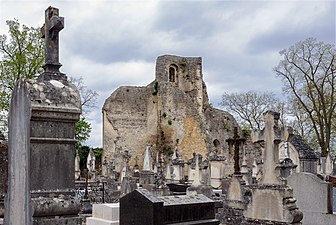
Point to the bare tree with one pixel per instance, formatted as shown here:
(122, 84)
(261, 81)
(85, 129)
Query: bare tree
(88, 96)
(250, 106)
(308, 73)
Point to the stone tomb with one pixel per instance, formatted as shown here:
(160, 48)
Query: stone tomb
(104, 214)
(140, 207)
(41, 142)
(271, 200)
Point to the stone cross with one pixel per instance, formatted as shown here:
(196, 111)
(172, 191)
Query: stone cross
(236, 141)
(53, 25)
(271, 135)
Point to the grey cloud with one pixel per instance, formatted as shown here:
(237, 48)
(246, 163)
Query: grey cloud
(286, 34)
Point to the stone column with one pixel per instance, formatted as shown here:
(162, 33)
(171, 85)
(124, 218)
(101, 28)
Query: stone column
(18, 210)
(271, 135)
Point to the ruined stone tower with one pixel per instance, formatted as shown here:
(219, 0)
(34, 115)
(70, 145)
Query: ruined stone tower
(171, 111)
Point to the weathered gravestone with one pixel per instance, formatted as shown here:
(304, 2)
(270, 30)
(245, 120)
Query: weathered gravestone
(104, 214)
(140, 207)
(3, 172)
(236, 141)
(271, 200)
(314, 198)
(178, 167)
(147, 174)
(91, 165)
(77, 166)
(41, 142)
(18, 210)
(216, 168)
(197, 187)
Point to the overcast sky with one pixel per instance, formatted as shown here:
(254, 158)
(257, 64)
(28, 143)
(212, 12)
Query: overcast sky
(113, 43)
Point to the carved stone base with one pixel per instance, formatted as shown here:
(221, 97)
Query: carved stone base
(146, 177)
(273, 203)
(61, 210)
(57, 220)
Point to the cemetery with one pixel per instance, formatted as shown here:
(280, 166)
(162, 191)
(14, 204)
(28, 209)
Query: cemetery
(169, 157)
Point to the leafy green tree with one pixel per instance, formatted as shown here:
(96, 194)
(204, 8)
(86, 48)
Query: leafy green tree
(82, 132)
(83, 152)
(308, 72)
(22, 54)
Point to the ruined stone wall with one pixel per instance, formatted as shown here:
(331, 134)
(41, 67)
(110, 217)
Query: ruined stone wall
(172, 110)
(129, 122)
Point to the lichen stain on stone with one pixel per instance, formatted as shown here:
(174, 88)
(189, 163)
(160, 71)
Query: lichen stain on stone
(56, 83)
(193, 140)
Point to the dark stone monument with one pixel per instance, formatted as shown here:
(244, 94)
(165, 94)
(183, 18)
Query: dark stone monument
(41, 142)
(140, 207)
(236, 141)
(3, 173)
(55, 108)
(52, 26)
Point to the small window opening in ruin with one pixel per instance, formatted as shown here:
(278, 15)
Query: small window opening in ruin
(172, 73)
(127, 90)
(217, 145)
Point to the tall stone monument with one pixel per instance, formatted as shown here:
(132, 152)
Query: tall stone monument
(41, 141)
(18, 196)
(271, 200)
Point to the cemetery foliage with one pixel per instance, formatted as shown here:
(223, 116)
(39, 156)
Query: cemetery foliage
(22, 55)
(308, 72)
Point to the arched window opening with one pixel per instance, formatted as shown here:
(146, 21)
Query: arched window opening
(217, 145)
(172, 73)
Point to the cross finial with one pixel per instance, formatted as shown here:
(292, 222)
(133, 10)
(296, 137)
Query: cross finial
(50, 32)
(236, 141)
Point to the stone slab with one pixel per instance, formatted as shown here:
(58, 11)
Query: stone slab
(319, 219)
(317, 194)
(106, 211)
(18, 197)
(97, 221)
